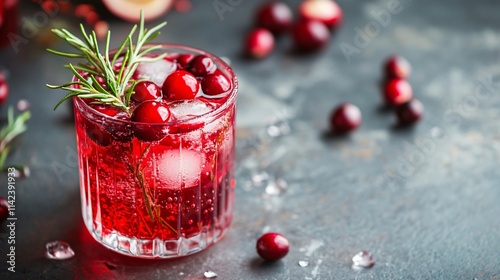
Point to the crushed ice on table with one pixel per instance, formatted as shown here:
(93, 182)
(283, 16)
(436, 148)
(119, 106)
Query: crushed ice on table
(303, 263)
(363, 259)
(278, 128)
(259, 178)
(156, 71)
(59, 250)
(23, 105)
(189, 108)
(209, 274)
(276, 187)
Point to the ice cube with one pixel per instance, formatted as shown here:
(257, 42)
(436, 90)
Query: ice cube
(189, 108)
(156, 71)
(180, 166)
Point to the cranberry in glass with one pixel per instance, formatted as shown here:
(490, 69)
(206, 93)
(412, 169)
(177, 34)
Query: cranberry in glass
(259, 43)
(180, 85)
(397, 91)
(409, 112)
(272, 246)
(326, 11)
(150, 112)
(202, 65)
(184, 59)
(310, 35)
(276, 17)
(4, 90)
(397, 67)
(345, 118)
(146, 90)
(4, 209)
(97, 132)
(215, 84)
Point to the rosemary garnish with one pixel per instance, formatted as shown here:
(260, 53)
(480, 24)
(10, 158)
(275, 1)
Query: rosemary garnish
(15, 126)
(118, 83)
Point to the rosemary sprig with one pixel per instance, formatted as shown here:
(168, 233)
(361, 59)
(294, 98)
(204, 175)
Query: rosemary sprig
(118, 83)
(15, 126)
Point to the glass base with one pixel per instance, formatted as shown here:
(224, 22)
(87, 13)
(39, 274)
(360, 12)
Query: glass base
(156, 248)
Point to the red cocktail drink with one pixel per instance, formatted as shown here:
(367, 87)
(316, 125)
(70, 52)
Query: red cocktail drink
(160, 190)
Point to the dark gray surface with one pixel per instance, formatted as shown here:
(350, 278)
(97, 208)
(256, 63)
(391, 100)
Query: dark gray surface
(438, 219)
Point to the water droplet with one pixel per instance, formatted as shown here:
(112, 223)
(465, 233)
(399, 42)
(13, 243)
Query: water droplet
(210, 274)
(258, 178)
(190, 222)
(303, 263)
(169, 199)
(363, 259)
(59, 250)
(23, 105)
(276, 187)
(181, 273)
(193, 205)
(209, 201)
(278, 128)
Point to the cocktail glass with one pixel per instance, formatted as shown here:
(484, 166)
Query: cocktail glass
(166, 197)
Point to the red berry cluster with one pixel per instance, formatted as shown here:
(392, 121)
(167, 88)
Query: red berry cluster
(317, 19)
(151, 103)
(397, 93)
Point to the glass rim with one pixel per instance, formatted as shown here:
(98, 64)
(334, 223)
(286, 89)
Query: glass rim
(211, 115)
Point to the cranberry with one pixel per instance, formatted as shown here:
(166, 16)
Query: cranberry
(184, 59)
(310, 35)
(272, 246)
(259, 43)
(345, 118)
(97, 131)
(146, 90)
(4, 209)
(4, 90)
(202, 65)
(180, 85)
(215, 84)
(147, 113)
(397, 67)
(277, 17)
(410, 112)
(326, 11)
(397, 91)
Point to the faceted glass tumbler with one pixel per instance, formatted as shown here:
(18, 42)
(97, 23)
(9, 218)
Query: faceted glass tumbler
(161, 198)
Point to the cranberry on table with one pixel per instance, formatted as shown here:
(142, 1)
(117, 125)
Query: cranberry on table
(180, 85)
(146, 90)
(184, 59)
(277, 17)
(326, 11)
(345, 118)
(397, 67)
(4, 209)
(410, 112)
(272, 246)
(202, 65)
(397, 91)
(150, 112)
(310, 35)
(259, 43)
(4, 89)
(215, 84)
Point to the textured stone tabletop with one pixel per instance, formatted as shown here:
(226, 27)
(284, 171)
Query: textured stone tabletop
(424, 201)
